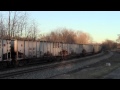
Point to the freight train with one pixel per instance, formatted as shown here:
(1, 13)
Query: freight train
(17, 51)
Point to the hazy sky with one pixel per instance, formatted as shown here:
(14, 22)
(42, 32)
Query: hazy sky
(100, 25)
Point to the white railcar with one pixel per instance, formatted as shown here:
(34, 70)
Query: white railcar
(30, 49)
(96, 48)
(17, 49)
(23, 49)
(5, 50)
(76, 48)
(88, 48)
(56, 48)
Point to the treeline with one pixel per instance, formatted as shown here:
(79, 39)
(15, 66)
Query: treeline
(17, 25)
(68, 36)
(109, 44)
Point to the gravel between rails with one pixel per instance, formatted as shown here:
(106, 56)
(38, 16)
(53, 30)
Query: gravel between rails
(60, 68)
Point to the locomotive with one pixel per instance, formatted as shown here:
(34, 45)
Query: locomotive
(17, 51)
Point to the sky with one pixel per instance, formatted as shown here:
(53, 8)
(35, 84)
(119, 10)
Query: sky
(101, 25)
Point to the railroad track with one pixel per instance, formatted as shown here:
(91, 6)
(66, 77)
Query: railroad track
(42, 67)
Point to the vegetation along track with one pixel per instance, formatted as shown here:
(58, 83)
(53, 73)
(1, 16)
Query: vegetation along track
(51, 65)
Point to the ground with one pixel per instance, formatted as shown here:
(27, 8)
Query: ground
(105, 69)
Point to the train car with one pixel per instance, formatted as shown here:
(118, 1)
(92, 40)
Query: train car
(5, 50)
(28, 49)
(22, 49)
(88, 49)
(57, 48)
(50, 50)
(97, 48)
(45, 48)
(76, 49)
(17, 49)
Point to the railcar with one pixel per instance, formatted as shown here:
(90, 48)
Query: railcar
(97, 48)
(27, 50)
(87, 49)
(5, 50)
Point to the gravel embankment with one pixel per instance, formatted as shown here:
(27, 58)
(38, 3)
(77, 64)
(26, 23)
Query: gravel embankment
(60, 69)
(105, 69)
(48, 64)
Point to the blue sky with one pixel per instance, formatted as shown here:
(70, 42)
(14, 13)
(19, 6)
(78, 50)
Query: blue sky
(100, 25)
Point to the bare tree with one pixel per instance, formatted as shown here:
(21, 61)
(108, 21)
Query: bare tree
(83, 38)
(3, 31)
(109, 44)
(14, 23)
(32, 31)
(17, 25)
(68, 36)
